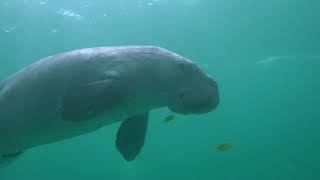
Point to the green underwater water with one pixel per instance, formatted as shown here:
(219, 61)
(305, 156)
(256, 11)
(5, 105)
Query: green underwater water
(265, 56)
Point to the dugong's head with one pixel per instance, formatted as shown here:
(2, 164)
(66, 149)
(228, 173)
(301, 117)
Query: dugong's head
(196, 92)
(182, 85)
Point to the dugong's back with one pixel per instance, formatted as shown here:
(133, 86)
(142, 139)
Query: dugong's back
(30, 99)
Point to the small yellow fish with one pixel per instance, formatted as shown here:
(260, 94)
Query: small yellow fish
(168, 118)
(224, 146)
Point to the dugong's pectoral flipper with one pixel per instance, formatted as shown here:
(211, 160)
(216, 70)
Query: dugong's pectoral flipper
(131, 136)
(91, 99)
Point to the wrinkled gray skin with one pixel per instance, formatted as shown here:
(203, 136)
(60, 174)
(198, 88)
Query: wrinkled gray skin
(77, 92)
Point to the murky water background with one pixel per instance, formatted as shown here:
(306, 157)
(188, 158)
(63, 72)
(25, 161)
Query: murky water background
(265, 56)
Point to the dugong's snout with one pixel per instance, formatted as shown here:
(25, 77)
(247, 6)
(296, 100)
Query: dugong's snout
(198, 99)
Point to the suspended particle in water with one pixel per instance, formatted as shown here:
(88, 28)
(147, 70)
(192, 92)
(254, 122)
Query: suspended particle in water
(43, 3)
(8, 29)
(54, 30)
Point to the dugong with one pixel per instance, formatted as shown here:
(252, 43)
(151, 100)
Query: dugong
(79, 91)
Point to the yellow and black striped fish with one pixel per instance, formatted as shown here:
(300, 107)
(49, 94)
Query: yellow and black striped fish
(224, 146)
(168, 118)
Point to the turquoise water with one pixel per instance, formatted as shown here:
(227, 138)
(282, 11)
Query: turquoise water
(265, 55)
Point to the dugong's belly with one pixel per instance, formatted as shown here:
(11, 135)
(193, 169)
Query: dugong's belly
(20, 133)
(32, 117)
(26, 122)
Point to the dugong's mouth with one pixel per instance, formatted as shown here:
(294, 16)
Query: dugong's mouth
(195, 101)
